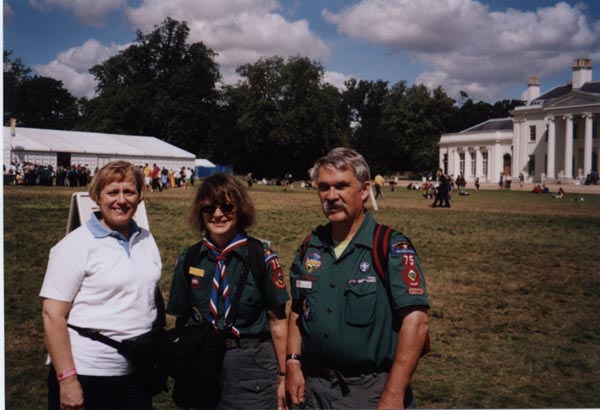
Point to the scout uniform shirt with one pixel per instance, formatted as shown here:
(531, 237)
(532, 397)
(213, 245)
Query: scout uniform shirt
(193, 289)
(346, 320)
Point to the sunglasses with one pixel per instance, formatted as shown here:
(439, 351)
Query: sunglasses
(210, 209)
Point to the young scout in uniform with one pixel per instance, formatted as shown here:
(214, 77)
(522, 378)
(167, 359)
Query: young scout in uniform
(350, 345)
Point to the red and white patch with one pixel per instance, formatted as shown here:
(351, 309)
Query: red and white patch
(411, 277)
(278, 278)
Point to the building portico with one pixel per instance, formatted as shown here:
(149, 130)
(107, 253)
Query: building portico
(554, 138)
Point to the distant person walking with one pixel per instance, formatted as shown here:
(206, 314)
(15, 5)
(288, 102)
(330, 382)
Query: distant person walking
(379, 182)
(442, 192)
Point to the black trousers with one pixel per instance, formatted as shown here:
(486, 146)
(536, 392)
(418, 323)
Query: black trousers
(105, 392)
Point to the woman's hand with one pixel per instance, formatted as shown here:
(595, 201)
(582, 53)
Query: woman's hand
(71, 395)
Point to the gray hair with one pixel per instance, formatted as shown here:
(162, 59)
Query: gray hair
(342, 159)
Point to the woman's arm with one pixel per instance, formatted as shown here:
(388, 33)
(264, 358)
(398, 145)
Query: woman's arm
(58, 343)
(278, 324)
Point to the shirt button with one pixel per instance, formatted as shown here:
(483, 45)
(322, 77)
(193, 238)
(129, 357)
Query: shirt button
(329, 309)
(326, 334)
(332, 284)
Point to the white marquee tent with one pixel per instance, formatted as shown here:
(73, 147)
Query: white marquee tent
(71, 148)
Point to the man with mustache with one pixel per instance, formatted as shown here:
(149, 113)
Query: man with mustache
(353, 340)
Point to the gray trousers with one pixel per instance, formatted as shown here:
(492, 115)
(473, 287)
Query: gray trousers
(360, 392)
(250, 378)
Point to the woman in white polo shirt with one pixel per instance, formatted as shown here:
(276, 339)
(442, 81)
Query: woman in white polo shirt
(101, 276)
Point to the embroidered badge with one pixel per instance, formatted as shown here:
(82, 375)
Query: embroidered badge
(412, 278)
(401, 247)
(364, 266)
(195, 283)
(305, 309)
(312, 262)
(278, 278)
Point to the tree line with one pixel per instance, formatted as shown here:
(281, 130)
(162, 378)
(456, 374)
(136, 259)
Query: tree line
(278, 119)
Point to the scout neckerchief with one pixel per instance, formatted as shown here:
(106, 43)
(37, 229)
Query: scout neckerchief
(220, 281)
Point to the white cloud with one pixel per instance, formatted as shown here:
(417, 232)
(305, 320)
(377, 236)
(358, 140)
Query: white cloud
(470, 48)
(7, 12)
(91, 12)
(240, 31)
(71, 66)
(336, 79)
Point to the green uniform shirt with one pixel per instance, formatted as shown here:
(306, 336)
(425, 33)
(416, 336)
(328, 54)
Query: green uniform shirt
(193, 289)
(346, 320)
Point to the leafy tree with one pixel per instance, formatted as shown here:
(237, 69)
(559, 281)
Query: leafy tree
(159, 86)
(282, 117)
(37, 101)
(414, 119)
(364, 102)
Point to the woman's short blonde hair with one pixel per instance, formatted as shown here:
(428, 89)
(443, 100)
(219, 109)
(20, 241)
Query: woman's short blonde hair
(116, 171)
(219, 189)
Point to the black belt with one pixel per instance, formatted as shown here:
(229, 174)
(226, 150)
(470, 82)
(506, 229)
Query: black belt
(247, 341)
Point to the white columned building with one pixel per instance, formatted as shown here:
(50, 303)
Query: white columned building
(554, 137)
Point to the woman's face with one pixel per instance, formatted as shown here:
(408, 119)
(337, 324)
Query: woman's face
(118, 202)
(220, 220)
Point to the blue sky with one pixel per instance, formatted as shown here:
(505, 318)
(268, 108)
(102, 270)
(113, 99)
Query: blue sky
(487, 48)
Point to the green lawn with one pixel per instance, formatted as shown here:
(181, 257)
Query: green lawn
(513, 277)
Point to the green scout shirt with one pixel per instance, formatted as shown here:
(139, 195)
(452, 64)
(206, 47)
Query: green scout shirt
(346, 320)
(193, 288)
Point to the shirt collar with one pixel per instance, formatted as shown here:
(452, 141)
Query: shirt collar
(99, 230)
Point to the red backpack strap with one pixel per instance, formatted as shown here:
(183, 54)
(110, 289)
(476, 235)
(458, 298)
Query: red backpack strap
(304, 246)
(380, 250)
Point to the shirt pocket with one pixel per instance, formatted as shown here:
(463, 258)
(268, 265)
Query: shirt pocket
(361, 302)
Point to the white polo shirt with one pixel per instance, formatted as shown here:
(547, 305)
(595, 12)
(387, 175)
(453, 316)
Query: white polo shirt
(110, 283)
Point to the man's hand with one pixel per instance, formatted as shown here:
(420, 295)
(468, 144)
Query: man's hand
(294, 381)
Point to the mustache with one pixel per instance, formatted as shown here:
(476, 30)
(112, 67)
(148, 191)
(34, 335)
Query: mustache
(329, 206)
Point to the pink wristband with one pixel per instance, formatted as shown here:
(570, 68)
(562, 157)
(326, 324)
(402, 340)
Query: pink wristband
(66, 373)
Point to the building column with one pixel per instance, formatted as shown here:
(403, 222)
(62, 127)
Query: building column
(478, 163)
(568, 146)
(551, 149)
(587, 144)
(518, 135)
(468, 170)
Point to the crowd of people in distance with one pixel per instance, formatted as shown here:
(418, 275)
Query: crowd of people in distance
(30, 174)
(159, 178)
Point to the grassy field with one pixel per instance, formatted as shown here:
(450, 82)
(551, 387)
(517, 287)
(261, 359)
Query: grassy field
(513, 277)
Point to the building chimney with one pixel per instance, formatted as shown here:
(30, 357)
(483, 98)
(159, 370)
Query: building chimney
(582, 72)
(533, 89)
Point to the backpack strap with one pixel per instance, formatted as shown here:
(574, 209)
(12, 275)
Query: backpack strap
(380, 253)
(304, 246)
(256, 261)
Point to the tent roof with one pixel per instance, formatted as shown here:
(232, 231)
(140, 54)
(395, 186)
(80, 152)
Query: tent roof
(204, 163)
(34, 139)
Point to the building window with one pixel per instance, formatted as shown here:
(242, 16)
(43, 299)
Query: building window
(531, 165)
(461, 163)
(445, 161)
(484, 163)
(473, 162)
(574, 130)
(532, 133)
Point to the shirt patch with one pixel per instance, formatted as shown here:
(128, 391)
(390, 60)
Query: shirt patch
(195, 283)
(278, 279)
(304, 284)
(412, 278)
(312, 262)
(401, 247)
(305, 309)
(364, 266)
(358, 281)
(196, 272)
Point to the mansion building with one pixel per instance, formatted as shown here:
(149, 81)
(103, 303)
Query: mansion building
(554, 138)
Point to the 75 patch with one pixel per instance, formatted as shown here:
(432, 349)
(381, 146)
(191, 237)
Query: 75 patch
(278, 279)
